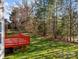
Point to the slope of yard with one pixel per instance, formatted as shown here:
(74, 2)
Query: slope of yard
(41, 48)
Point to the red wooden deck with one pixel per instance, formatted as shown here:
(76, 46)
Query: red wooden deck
(16, 40)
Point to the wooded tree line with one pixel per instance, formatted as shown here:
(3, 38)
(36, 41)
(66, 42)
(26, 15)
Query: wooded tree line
(53, 18)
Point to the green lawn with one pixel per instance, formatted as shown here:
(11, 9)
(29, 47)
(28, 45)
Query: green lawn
(41, 48)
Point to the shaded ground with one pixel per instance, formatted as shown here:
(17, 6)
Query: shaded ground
(41, 48)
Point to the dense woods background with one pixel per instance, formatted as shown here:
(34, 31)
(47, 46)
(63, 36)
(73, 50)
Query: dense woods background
(56, 19)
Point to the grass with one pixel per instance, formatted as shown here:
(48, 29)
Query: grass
(41, 48)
